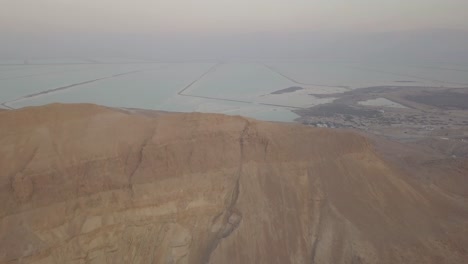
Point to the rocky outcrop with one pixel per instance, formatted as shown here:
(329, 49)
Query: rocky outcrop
(89, 184)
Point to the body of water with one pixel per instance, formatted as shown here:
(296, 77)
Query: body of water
(231, 88)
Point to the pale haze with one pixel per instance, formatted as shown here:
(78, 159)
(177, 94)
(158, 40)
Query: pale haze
(228, 28)
(239, 15)
(233, 131)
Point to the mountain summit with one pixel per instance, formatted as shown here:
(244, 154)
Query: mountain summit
(90, 184)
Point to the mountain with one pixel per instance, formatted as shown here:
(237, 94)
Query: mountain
(89, 184)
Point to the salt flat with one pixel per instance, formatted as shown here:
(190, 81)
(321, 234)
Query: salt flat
(381, 102)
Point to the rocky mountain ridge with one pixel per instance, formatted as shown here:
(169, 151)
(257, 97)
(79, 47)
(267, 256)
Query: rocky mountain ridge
(90, 184)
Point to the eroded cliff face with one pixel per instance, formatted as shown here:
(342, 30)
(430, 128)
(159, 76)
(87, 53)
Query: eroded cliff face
(88, 184)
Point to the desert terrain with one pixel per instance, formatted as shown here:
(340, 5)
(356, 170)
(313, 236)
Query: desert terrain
(82, 183)
(433, 117)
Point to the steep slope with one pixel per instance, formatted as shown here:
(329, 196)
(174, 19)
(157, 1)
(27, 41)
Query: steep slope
(88, 184)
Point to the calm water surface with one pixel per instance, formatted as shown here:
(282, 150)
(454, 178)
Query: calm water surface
(229, 88)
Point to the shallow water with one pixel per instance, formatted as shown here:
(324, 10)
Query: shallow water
(148, 88)
(229, 88)
(350, 75)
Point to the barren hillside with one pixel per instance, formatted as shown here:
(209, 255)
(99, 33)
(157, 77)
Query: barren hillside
(89, 184)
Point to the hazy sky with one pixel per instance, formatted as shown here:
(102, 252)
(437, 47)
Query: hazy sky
(219, 29)
(141, 16)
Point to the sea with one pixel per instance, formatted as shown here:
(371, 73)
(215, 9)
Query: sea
(229, 87)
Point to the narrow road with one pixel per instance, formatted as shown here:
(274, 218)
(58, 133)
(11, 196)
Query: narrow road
(69, 86)
(4, 105)
(297, 82)
(40, 74)
(181, 92)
